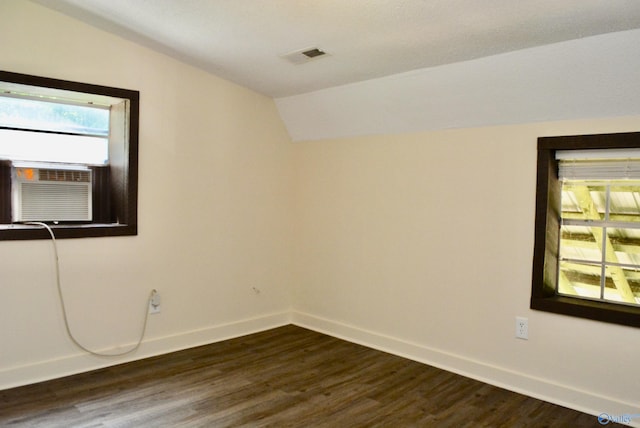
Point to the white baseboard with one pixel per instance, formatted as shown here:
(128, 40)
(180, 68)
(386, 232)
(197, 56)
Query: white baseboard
(82, 362)
(542, 389)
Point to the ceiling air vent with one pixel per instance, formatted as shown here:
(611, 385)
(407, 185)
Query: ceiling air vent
(304, 55)
(312, 53)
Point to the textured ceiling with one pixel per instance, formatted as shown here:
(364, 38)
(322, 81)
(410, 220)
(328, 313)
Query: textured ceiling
(245, 40)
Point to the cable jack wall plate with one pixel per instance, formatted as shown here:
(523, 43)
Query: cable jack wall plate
(154, 303)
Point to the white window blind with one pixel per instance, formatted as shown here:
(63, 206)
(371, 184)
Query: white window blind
(613, 164)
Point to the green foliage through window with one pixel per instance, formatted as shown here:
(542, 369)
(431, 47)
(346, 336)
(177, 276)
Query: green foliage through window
(26, 113)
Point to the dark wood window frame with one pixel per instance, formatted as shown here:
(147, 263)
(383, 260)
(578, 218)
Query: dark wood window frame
(118, 184)
(547, 232)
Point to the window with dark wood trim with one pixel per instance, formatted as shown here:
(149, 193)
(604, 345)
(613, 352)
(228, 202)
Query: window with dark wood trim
(114, 185)
(545, 295)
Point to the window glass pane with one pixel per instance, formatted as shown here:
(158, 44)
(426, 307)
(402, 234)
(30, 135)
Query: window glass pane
(583, 201)
(580, 279)
(51, 116)
(38, 146)
(579, 243)
(626, 244)
(625, 202)
(622, 285)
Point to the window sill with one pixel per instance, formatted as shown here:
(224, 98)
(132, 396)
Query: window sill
(14, 232)
(594, 310)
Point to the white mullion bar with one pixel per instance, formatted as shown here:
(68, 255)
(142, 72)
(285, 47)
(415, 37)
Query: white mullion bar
(600, 223)
(603, 269)
(594, 263)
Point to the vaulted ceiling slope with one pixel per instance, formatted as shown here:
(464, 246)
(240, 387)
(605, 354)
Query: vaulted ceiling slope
(246, 41)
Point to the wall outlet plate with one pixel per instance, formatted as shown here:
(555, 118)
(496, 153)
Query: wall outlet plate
(522, 328)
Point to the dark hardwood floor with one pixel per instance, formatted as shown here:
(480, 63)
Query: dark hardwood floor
(286, 377)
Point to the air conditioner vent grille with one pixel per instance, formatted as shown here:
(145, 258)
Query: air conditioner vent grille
(67, 175)
(55, 201)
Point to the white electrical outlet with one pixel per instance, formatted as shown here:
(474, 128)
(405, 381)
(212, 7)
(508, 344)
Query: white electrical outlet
(154, 303)
(522, 328)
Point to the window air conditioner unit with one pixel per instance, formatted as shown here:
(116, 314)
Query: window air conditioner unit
(48, 192)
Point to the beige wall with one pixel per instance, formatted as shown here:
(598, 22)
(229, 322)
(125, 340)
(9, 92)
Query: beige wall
(214, 211)
(422, 245)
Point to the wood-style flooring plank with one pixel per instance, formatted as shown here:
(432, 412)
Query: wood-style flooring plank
(285, 377)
